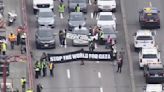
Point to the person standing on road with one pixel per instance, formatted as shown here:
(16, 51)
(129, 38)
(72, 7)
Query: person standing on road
(12, 39)
(3, 48)
(61, 9)
(119, 64)
(77, 8)
(51, 68)
(39, 88)
(44, 56)
(61, 38)
(44, 68)
(95, 8)
(82, 61)
(23, 84)
(37, 69)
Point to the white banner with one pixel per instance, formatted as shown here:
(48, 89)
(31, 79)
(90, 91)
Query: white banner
(80, 37)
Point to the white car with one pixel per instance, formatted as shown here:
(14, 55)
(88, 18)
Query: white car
(106, 5)
(37, 4)
(106, 19)
(154, 88)
(144, 38)
(149, 56)
(82, 34)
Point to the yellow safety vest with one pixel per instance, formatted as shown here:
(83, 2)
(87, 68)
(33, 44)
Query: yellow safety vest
(29, 90)
(51, 66)
(77, 9)
(23, 81)
(4, 47)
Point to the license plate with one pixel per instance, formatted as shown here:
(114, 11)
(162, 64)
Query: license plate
(46, 45)
(156, 75)
(151, 20)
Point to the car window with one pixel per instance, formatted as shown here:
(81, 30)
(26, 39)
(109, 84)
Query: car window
(44, 34)
(149, 56)
(144, 38)
(45, 14)
(105, 17)
(81, 32)
(78, 1)
(156, 70)
(76, 17)
(107, 30)
(151, 15)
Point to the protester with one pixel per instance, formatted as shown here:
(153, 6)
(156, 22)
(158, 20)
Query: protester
(61, 9)
(82, 61)
(92, 45)
(108, 44)
(51, 68)
(23, 84)
(119, 64)
(61, 38)
(39, 88)
(96, 9)
(12, 39)
(77, 8)
(3, 48)
(44, 56)
(37, 69)
(44, 67)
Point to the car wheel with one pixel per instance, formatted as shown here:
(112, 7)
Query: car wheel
(35, 11)
(114, 10)
(135, 49)
(37, 46)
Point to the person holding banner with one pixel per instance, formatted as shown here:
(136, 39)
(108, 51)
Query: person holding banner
(92, 45)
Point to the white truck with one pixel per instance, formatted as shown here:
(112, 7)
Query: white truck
(153, 88)
(42, 4)
(149, 56)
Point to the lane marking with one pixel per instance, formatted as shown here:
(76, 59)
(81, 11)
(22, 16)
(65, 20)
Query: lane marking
(90, 3)
(91, 15)
(99, 74)
(101, 89)
(68, 74)
(97, 61)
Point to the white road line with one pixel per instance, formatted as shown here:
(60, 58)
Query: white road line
(99, 74)
(101, 89)
(97, 61)
(68, 74)
(91, 15)
(90, 3)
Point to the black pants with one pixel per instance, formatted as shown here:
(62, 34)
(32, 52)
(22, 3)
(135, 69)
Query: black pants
(119, 69)
(3, 52)
(23, 88)
(36, 74)
(51, 72)
(44, 72)
(12, 44)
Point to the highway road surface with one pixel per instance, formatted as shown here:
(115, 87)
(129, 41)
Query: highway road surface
(72, 77)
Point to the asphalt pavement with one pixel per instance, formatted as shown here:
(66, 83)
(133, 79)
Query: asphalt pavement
(132, 8)
(72, 77)
(17, 69)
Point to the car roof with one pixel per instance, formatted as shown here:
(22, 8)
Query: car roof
(144, 33)
(44, 29)
(105, 13)
(150, 10)
(152, 50)
(154, 88)
(155, 66)
(45, 10)
(76, 13)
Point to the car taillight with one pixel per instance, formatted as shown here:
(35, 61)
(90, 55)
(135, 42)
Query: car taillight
(140, 60)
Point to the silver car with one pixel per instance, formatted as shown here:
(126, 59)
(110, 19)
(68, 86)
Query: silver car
(82, 33)
(82, 3)
(76, 19)
(109, 30)
(46, 17)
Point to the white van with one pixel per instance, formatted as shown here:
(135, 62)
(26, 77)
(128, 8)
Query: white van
(42, 4)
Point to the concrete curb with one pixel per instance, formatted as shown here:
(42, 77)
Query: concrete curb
(128, 46)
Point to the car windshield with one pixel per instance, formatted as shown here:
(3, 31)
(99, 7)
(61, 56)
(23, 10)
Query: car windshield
(81, 32)
(78, 1)
(78, 17)
(108, 31)
(151, 15)
(45, 14)
(149, 56)
(106, 17)
(144, 38)
(45, 33)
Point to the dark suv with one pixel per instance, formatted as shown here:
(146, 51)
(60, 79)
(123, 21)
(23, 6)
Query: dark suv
(154, 73)
(44, 38)
(149, 18)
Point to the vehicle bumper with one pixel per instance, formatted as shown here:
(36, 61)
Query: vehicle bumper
(46, 46)
(79, 44)
(150, 24)
(155, 79)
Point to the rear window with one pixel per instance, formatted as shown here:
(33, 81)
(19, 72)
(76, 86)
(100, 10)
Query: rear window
(149, 56)
(151, 15)
(43, 5)
(144, 38)
(156, 70)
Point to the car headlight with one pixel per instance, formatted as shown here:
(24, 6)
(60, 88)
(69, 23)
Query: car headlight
(52, 41)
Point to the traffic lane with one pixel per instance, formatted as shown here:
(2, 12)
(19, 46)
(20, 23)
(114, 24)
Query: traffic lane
(54, 83)
(133, 26)
(17, 69)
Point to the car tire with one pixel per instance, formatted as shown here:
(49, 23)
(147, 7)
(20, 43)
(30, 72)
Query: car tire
(135, 49)
(37, 46)
(114, 10)
(35, 11)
